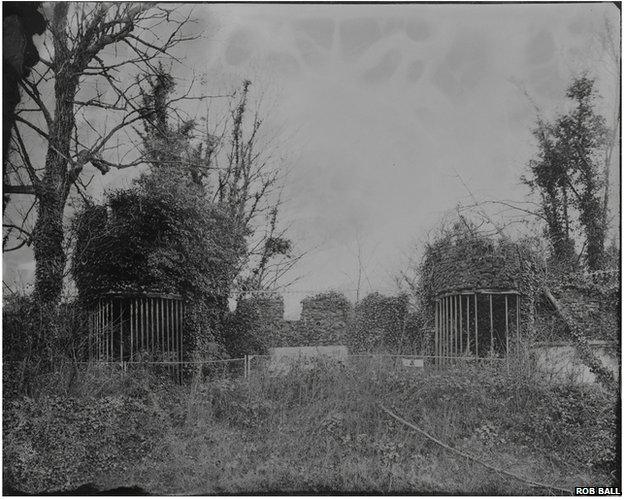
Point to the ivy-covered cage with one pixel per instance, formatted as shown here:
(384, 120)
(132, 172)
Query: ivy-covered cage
(479, 295)
(127, 327)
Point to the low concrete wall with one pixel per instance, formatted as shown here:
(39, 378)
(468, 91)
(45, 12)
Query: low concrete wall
(304, 357)
(561, 360)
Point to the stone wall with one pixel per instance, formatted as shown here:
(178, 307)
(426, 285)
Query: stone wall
(469, 262)
(324, 320)
(268, 317)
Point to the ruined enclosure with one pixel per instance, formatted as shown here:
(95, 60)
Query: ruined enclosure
(130, 327)
(476, 323)
(479, 294)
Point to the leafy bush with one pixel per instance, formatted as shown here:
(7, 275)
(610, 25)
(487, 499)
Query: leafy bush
(59, 443)
(160, 235)
(244, 331)
(382, 323)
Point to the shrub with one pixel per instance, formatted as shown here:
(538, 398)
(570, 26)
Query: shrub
(59, 443)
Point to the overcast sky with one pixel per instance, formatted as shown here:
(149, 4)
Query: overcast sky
(386, 111)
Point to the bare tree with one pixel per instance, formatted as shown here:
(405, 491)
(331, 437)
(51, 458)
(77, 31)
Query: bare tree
(249, 182)
(82, 99)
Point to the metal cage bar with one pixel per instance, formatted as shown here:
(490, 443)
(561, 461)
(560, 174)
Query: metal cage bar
(120, 327)
(507, 332)
(461, 326)
(435, 335)
(491, 327)
(455, 327)
(476, 322)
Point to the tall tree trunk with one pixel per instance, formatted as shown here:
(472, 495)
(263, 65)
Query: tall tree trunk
(48, 235)
(50, 256)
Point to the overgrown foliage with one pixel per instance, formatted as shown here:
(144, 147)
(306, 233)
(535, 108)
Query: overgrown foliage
(569, 175)
(36, 341)
(321, 430)
(164, 236)
(59, 443)
(161, 236)
(83, 43)
(462, 258)
(245, 331)
(383, 324)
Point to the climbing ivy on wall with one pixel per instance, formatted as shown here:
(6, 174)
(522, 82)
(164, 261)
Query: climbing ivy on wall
(153, 237)
(161, 235)
(383, 323)
(463, 259)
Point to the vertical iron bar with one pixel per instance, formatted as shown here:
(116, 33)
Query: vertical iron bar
(181, 334)
(91, 355)
(90, 339)
(154, 345)
(104, 329)
(455, 326)
(111, 340)
(506, 332)
(111, 335)
(476, 320)
(439, 353)
(139, 325)
(150, 328)
(452, 329)
(442, 329)
(157, 342)
(121, 339)
(168, 335)
(461, 326)
(491, 327)
(138, 322)
(468, 348)
(169, 329)
(106, 334)
(101, 333)
(450, 333)
(518, 319)
(132, 326)
(447, 325)
(446, 329)
(174, 330)
(99, 327)
(162, 325)
(145, 323)
(435, 334)
(105, 326)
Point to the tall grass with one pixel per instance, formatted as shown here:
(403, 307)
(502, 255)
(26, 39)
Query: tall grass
(322, 430)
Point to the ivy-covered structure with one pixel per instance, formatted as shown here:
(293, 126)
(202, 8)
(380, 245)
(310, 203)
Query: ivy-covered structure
(478, 294)
(153, 267)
